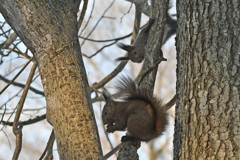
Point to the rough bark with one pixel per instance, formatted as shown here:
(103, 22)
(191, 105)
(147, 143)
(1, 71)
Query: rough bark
(154, 52)
(49, 30)
(207, 112)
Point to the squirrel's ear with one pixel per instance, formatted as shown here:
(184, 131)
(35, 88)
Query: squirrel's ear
(122, 58)
(125, 47)
(107, 96)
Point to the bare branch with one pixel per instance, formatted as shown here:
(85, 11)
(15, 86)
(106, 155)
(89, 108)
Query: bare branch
(20, 53)
(143, 74)
(21, 85)
(28, 122)
(109, 154)
(120, 67)
(3, 114)
(107, 40)
(88, 18)
(170, 103)
(142, 5)
(82, 13)
(49, 155)
(49, 144)
(98, 21)
(9, 41)
(98, 50)
(16, 76)
(17, 129)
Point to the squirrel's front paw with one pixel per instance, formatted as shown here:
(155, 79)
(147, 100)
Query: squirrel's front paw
(110, 128)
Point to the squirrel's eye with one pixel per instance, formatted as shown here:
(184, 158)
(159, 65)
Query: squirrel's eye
(135, 52)
(105, 113)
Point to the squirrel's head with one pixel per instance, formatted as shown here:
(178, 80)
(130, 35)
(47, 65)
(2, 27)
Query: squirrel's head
(108, 111)
(135, 53)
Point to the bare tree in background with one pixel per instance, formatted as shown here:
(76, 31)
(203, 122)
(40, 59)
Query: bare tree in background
(49, 30)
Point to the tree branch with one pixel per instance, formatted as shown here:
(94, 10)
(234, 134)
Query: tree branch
(142, 5)
(82, 15)
(170, 103)
(17, 129)
(49, 144)
(128, 150)
(9, 41)
(98, 21)
(28, 122)
(16, 76)
(21, 85)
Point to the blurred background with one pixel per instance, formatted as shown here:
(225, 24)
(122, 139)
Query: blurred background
(104, 21)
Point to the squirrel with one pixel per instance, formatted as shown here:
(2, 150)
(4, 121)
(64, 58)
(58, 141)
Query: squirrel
(136, 51)
(141, 113)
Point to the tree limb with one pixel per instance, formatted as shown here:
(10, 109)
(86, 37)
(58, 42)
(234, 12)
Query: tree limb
(49, 144)
(17, 129)
(28, 122)
(9, 41)
(170, 103)
(21, 85)
(16, 76)
(82, 14)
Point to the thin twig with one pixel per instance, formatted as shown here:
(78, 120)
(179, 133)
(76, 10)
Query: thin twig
(94, 89)
(9, 41)
(15, 96)
(10, 146)
(150, 69)
(88, 18)
(111, 75)
(170, 103)
(49, 155)
(107, 40)
(17, 129)
(50, 140)
(98, 21)
(10, 116)
(99, 50)
(126, 12)
(3, 114)
(28, 122)
(16, 76)
(123, 63)
(20, 53)
(109, 154)
(82, 15)
(21, 85)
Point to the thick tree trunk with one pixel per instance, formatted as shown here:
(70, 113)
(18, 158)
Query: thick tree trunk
(207, 112)
(49, 30)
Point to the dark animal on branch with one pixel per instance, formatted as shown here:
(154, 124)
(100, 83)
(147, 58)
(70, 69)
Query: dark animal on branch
(136, 52)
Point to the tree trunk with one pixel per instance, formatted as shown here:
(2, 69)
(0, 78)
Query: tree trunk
(49, 30)
(207, 112)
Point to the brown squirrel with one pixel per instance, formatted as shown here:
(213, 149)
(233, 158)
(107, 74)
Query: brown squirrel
(136, 52)
(141, 113)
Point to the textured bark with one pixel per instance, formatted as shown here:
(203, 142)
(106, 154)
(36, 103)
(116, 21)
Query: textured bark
(128, 150)
(208, 49)
(49, 30)
(154, 52)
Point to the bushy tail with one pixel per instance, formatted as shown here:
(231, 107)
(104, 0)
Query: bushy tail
(130, 91)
